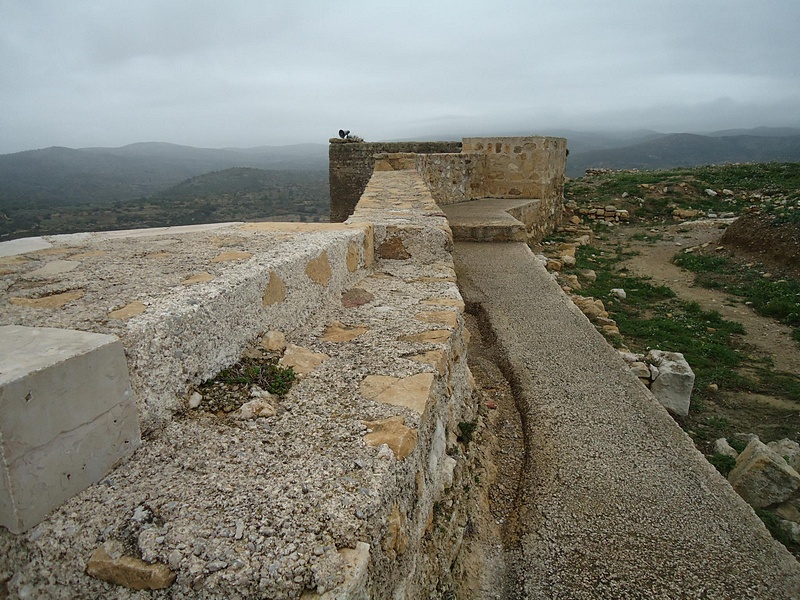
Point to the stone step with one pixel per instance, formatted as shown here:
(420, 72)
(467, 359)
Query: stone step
(491, 219)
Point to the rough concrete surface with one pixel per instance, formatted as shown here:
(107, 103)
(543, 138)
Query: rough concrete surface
(615, 501)
(185, 301)
(267, 508)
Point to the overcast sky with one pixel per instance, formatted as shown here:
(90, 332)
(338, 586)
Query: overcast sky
(246, 73)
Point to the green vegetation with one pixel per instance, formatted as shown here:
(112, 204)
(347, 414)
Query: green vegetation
(466, 431)
(773, 523)
(266, 375)
(737, 389)
(237, 194)
(778, 299)
(653, 195)
(651, 317)
(723, 463)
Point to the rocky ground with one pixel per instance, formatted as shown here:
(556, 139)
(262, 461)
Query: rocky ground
(767, 337)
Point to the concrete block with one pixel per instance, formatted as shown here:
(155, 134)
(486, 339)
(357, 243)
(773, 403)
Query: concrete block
(67, 416)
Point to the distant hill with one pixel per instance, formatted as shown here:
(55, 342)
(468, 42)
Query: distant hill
(54, 176)
(688, 150)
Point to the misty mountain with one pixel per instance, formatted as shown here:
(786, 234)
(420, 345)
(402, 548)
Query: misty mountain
(688, 150)
(59, 175)
(758, 131)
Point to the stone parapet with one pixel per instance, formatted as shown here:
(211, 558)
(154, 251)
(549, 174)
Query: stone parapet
(349, 486)
(352, 163)
(520, 167)
(184, 301)
(452, 178)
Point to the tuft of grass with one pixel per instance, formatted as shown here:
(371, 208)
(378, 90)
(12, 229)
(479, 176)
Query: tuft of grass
(723, 463)
(466, 431)
(267, 376)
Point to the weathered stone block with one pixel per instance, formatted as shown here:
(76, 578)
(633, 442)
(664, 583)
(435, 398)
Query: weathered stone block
(673, 385)
(762, 477)
(68, 415)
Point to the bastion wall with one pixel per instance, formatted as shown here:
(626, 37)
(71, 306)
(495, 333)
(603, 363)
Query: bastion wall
(351, 164)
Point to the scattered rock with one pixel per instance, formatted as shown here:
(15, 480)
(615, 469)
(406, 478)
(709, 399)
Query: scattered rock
(762, 477)
(554, 265)
(274, 341)
(258, 407)
(619, 293)
(195, 399)
(673, 385)
(685, 213)
(572, 281)
(641, 370)
(789, 450)
(356, 297)
(721, 446)
(302, 360)
(587, 275)
(710, 192)
(109, 564)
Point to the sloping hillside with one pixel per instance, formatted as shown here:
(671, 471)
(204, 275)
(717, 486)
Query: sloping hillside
(688, 150)
(57, 176)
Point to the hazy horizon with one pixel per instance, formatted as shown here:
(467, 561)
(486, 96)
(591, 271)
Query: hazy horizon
(249, 73)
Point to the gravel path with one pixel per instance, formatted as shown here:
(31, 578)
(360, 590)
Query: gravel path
(615, 501)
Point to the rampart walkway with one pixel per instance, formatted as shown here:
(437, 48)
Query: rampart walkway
(615, 502)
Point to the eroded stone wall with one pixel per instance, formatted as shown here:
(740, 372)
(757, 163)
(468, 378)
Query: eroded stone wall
(351, 164)
(452, 178)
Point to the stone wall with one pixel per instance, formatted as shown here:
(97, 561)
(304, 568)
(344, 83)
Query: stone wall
(353, 485)
(351, 164)
(520, 167)
(452, 178)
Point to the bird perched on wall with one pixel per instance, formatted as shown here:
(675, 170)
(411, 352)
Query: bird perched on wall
(343, 134)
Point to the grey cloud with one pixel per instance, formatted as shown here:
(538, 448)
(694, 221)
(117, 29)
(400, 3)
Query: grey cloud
(250, 72)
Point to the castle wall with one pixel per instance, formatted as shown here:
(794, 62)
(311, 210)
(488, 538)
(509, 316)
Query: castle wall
(351, 164)
(452, 178)
(520, 167)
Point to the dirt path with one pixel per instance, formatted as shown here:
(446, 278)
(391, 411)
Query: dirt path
(654, 260)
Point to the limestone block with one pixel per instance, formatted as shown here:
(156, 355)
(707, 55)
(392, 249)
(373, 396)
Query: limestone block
(673, 385)
(274, 341)
(789, 510)
(789, 450)
(302, 360)
(762, 477)
(109, 564)
(640, 369)
(68, 416)
(393, 432)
